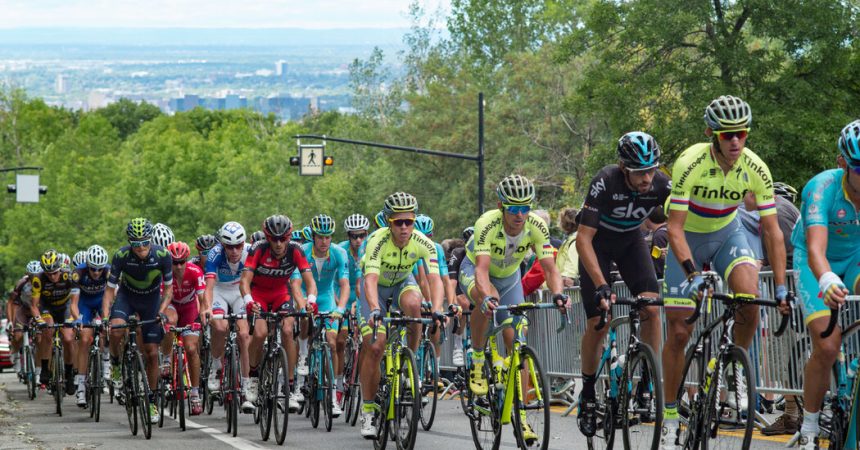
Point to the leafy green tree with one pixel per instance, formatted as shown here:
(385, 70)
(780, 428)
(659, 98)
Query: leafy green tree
(127, 116)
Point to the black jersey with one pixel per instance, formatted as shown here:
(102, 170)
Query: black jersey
(612, 206)
(141, 277)
(91, 287)
(50, 294)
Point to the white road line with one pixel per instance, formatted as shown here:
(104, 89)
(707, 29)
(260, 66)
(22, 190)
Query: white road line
(235, 442)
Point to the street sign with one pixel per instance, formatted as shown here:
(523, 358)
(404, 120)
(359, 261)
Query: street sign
(27, 188)
(312, 158)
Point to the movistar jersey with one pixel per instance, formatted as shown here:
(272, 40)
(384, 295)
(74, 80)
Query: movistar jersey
(825, 203)
(507, 252)
(711, 196)
(327, 271)
(394, 264)
(141, 277)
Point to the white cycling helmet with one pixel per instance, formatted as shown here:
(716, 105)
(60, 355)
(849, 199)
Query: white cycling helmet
(162, 235)
(356, 222)
(97, 257)
(79, 258)
(34, 267)
(232, 233)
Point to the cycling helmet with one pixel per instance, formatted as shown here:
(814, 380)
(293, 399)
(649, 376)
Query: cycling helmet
(399, 202)
(356, 222)
(162, 235)
(51, 261)
(97, 257)
(322, 225)
(728, 113)
(139, 229)
(79, 258)
(66, 260)
(232, 233)
(179, 251)
(849, 143)
(258, 236)
(380, 219)
(785, 191)
(468, 232)
(424, 224)
(516, 190)
(34, 268)
(205, 242)
(638, 151)
(306, 233)
(277, 225)
(298, 236)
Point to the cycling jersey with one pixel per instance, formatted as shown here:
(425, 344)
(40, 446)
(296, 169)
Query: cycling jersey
(225, 274)
(711, 196)
(270, 286)
(825, 203)
(191, 285)
(353, 264)
(140, 277)
(327, 271)
(612, 206)
(394, 264)
(91, 287)
(443, 265)
(507, 252)
(22, 293)
(50, 295)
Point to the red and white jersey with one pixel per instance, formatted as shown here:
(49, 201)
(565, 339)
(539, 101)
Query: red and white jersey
(191, 285)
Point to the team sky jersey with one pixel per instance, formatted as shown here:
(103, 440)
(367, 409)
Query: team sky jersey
(611, 205)
(506, 252)
(272, 275)
(353, 264)
(327, 271)
(443, 265)
(225, 274)
(191, 285)
(50, 295)
(90, 287)
(22, 294)
(700, 187)
(141, 277)
(394, 264)
(825, 203)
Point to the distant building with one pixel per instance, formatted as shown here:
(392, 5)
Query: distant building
(281, 69)
(61, 84)
(234, 101)
(96, 100)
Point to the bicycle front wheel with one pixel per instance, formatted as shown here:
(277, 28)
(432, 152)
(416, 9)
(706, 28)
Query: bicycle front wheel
(641, 403)
(180, 395)
(727, 423)
(484, 413)
(313, 399)
(280, 395)
(407, 401)
(127, 391)
(429, 385)
(531, 405)
(142, 396)
(327, 384)
(30, 370)
(263, 412)
(94, 385)
(57, 372)
(234, 392)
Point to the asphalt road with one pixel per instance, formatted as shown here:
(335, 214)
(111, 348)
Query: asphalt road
(26, 424)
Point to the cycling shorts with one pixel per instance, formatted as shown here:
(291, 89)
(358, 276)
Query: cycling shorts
(226, 300)
(22, 317)
(58, 313)
(393, 292)
(630, 253)
(510, 287)
(811, 299)
(89, 308)
(724, 249)
(187, 314)
(271, 301)
(146, 309)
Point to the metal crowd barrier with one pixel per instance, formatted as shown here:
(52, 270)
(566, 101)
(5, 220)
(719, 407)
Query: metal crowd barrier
(778, 362)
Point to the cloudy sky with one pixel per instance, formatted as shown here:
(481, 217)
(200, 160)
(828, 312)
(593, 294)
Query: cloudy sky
(210, 13)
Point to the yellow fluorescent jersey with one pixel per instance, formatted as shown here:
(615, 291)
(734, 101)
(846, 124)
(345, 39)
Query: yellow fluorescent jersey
(711, 197)
(507, 252)
(394, 264)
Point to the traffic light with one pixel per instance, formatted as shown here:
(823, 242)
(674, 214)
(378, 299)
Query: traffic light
(328, 161)
(294, 161)
(11, 188)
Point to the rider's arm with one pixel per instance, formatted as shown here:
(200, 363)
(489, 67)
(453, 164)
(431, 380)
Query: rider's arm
(775, 243)
(585, 249)
(296, 288)
(553, 276)
(166, 298)
(678, 240)
(482, 278)
(208, 295)
(245, 282)
(371, 292)
(107, 300)
(37, 297)
(816, 246)
(76, 312)
(423, 282)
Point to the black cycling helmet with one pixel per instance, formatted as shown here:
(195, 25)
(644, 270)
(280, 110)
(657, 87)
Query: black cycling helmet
(277, 225)
(638, 151)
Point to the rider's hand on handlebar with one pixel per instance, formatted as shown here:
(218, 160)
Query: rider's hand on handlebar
(784, 299)
(603, 295)
(456, 309)
(375, 317)
(489, 304)
(562, 301)
(833, 289)
(693, 287)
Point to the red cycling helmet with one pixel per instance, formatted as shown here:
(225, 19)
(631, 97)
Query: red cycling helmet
(179, 251)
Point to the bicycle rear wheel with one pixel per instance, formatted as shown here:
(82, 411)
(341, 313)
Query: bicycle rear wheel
(59, 385)
(484, 413)
(407, 401)
(263, 412)
(94, 385)
(180, 394)
(429, 374)
(641, 400)
(729, 408)
(142, 396)
(531, 405)
(280, 395)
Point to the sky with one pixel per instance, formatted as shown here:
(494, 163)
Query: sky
(210, 13)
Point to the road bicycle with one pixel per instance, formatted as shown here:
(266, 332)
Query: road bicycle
(135, 391)
(95, 372)
(274, 387)
(352, 389)
(231, 376)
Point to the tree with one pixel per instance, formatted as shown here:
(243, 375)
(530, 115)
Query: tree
(127, 116)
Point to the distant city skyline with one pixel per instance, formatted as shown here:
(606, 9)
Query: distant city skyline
(312, 14)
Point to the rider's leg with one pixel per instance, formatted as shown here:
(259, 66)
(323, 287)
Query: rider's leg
(192, 353)
(410, 304)
(743, 279)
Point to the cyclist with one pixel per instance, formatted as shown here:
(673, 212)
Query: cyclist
(162, 235)
(620, 197)
(91, 277)
(203, 244)
(52, 292)
(329, 269)
(491, 275)
(184, 310)
(424, 224)
(356, 226)
(79, 258)
(827, 266)
(297, 236)
(137, 273)
(458, 254)
(266, 286)
(709, 181)
(257, 236)
(19, 312)
(224, 266)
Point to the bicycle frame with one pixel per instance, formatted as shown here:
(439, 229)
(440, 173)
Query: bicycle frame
(844, 399)
(502, 364)
(317, 339)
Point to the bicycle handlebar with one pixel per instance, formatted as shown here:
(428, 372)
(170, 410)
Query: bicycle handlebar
(834, 316)
(638, 302)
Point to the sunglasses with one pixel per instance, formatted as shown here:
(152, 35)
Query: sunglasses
(278, 238)
(137, 244)
(729, 135)
(179, 263)
(234, 247)
(855, 169)
(357, 235)
(97, 269)
(401, 222)
(517, 209)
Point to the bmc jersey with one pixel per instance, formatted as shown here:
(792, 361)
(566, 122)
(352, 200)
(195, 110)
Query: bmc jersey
(22, 294)
(394, 264)
(90, 287)
(506, 252)
(225, 274)
(272, 275)
(825, 203)
(141, 277)
(700, 187)
(611, 205)
(191, 285)
(54, 294)
(327, 271)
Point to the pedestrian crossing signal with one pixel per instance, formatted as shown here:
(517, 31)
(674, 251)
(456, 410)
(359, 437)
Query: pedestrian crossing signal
(328, 161)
